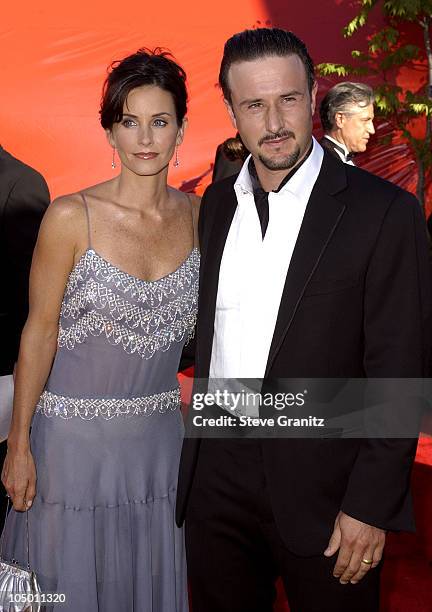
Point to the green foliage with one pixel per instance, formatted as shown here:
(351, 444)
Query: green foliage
(383, 40)
(341, 70)
(387, 99)
(418, 104)
(359, 20)
(399, 57)
(363, 57)
(408, 9)
(419, 108)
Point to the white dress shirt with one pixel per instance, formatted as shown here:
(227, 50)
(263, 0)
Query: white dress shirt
(253, 272)
(344, 148)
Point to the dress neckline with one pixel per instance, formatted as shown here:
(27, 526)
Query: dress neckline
(143, 281)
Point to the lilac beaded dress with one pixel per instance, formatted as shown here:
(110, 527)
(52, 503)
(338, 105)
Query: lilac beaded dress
(106, 438)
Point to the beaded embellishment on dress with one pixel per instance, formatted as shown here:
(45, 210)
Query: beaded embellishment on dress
(148, 292)
(140, 316)
(51, 405)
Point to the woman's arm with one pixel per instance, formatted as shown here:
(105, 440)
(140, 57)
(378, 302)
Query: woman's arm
(53, 260)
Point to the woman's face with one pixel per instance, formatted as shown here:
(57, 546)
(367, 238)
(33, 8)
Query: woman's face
(147, 134)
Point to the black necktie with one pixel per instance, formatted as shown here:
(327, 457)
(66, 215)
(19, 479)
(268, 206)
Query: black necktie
(261, 196)
(262, 206)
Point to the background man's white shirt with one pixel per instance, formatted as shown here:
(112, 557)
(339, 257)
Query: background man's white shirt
(341, 155)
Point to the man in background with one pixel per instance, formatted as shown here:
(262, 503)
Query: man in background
(230, 156)
(24, 197)
(347, 113)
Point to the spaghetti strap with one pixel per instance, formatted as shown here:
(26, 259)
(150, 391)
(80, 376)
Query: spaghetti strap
(195, 238)
(88, 219)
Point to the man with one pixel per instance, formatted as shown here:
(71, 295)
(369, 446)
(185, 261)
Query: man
(24, 197)
(347, 113)
(309, 268)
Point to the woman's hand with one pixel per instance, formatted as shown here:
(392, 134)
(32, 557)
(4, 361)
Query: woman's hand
(19, 478)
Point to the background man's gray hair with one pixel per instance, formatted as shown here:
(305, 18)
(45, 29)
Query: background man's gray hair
(341, 99)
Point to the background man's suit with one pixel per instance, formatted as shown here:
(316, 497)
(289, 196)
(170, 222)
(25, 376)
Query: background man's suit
(330, 147)
(356, 303)
(24, 197)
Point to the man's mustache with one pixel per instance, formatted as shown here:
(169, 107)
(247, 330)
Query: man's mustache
(271, 137)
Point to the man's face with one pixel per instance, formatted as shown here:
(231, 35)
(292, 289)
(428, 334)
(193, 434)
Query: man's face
(272, 109)
(356, 127)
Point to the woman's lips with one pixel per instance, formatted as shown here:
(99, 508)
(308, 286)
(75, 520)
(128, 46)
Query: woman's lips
(149, 155)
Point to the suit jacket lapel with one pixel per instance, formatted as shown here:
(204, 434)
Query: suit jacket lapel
(322, 216)
(209, 276)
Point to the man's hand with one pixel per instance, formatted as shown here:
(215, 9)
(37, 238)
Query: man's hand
(355, 541)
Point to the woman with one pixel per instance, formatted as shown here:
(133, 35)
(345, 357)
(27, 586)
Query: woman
(113, 293)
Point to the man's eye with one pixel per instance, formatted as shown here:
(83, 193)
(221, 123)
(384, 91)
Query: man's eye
(255, 105)
(289, 99)
(128, 123)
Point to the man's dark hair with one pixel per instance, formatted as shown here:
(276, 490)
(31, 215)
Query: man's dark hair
(145, 67)
(263, 42)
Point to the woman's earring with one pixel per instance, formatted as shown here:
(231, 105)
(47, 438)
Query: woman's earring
(176, 161)
(113, 164)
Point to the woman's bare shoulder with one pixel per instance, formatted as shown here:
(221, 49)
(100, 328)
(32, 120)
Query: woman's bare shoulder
(70, 208)
(64, 222)
(65, 209)
(182, 198)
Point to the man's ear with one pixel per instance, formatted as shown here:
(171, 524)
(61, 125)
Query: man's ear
(339, 120)
(313, 97)
(231, 113)
(181, 131)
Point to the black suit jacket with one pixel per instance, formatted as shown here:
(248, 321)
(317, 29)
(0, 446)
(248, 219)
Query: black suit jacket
(24, 197)
(356, 303)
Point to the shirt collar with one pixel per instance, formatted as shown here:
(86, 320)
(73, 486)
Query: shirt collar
(294, 182)
(341, 145)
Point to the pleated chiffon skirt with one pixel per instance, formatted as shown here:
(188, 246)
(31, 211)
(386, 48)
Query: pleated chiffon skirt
(102, 529)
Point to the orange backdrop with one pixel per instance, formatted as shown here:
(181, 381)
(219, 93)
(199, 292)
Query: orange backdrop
(54, 58)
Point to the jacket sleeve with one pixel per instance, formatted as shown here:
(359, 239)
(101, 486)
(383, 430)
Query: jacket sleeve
(397, 339)
(24, 209)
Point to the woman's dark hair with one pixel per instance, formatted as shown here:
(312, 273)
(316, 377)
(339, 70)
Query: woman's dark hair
(263, 42)
(145, 67)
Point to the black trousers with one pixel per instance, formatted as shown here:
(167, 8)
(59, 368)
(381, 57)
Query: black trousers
(235, 553)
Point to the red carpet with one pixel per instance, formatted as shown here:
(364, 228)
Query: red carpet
(407, 574)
